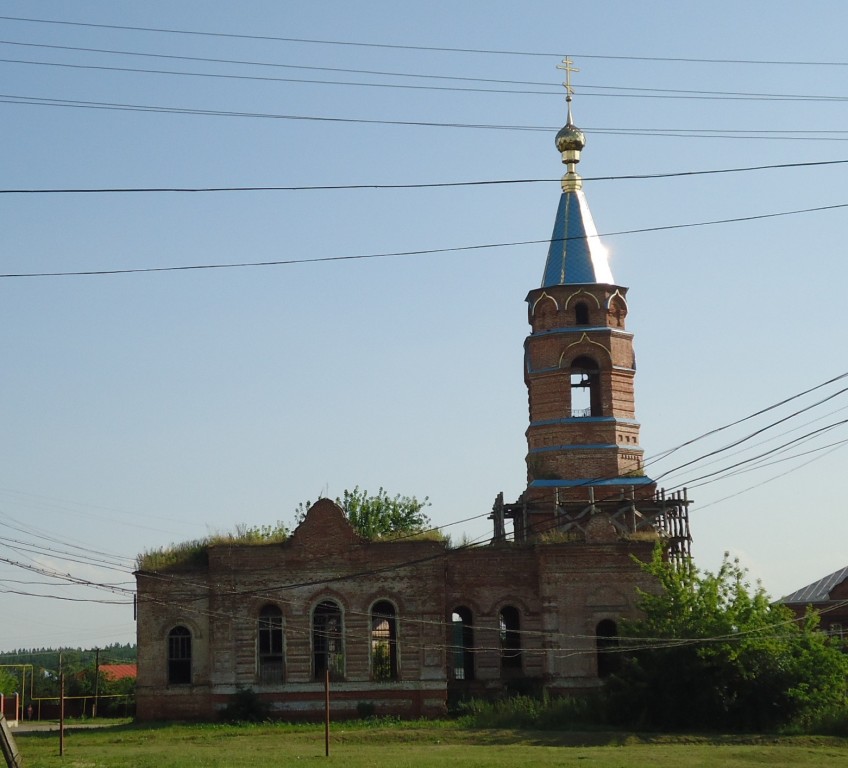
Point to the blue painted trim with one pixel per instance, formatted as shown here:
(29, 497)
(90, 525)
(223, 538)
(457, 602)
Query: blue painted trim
(582, 329)
(583, 420)
(563, 368)
(614, 481)
(586, 447)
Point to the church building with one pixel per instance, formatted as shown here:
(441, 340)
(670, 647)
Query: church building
(409, 627)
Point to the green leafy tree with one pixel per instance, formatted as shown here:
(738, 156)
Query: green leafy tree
(710, 652)
(379, 515)
(9, 683)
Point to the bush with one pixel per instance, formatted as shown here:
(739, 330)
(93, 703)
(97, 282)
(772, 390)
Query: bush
(245, 706)
(556, 714)
(711, 653)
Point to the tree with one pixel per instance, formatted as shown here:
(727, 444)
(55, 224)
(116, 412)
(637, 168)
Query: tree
(712, 653)
(9, 683)
(379, 515)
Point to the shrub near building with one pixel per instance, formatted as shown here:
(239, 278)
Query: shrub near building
(713, 653)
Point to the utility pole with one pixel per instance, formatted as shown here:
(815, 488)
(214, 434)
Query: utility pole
(61, 708)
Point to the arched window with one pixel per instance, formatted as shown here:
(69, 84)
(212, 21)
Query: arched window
(606, 642)
(327, 641)
(581, 313)
(585, 388)
(270, 658)
(545, 313)
(462, 644)
(384, 657)
(179, 656)
(616, 312)
(510, 636)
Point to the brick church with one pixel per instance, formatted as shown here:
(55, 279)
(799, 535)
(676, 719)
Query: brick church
(409, 626)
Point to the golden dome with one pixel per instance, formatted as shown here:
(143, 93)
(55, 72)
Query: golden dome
(570, 138)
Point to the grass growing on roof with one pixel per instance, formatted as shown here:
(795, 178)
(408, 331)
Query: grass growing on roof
(196, 551)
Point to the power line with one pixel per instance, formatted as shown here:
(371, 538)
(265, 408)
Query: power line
(432, 185)
(272, 591)
(831, 449)
(419, 252)
(711, 133)
(441, 49)
(772, 439)
(755, 433)
(586, 90)
(416, 75)
(407, 86)
(121, 107)
(773, 406)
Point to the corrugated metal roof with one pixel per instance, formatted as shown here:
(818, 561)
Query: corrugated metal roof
(576, 254)
(818, 591)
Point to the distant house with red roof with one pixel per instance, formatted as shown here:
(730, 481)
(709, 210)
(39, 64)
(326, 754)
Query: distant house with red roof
(119, 671)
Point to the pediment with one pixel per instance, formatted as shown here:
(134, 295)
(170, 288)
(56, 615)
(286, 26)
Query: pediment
(325, 528)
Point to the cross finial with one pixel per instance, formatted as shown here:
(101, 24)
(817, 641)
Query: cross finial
(568, 66)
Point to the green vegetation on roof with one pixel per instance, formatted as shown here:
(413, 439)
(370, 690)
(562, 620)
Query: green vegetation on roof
(196, 551)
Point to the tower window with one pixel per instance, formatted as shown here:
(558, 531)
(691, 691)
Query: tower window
(585, 388)
(581, 313)
(327, 641)
(270, 658)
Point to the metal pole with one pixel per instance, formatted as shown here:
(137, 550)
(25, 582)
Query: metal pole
(327, 712)
(61, 714)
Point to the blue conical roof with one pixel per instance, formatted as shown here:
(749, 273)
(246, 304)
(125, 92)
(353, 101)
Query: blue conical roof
(576, 254)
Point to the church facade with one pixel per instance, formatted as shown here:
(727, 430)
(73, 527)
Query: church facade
(408, 626)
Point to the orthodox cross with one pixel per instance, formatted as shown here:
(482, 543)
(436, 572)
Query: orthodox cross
(567, 65)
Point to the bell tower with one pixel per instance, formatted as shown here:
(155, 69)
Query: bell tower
(583, 451)
(579, 364)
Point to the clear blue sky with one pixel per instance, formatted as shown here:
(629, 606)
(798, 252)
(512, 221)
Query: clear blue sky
(140, 409)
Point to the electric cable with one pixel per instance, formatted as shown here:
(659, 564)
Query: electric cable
(445, 49)
(708, 133)
(417, 252)
(422, 185)
(586, 90)
(413, 75)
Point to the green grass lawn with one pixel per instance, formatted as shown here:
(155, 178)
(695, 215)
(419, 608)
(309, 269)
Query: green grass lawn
(356, 745)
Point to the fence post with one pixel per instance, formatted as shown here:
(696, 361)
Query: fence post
(327, 712)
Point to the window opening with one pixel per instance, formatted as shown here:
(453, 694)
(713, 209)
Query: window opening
(270, 641)
(510, 636)
(179, 656)
(327, 641)
(606, 642)
(585, 388)
(463, 644)
(581, 313)
(384, 658)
